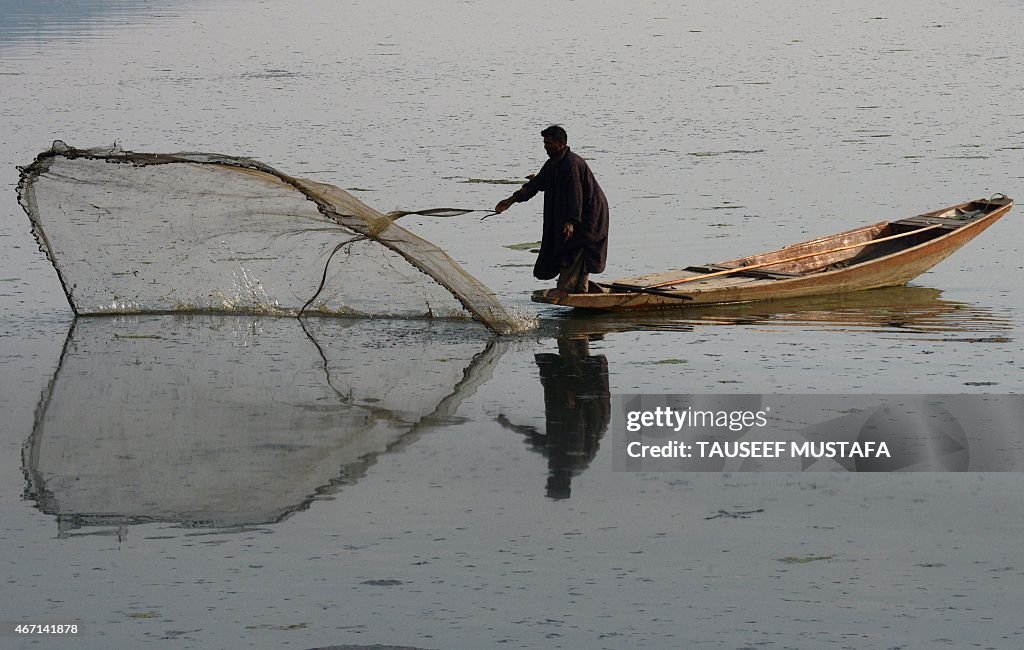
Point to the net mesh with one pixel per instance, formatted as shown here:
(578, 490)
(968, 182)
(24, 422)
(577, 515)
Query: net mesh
(149, 233)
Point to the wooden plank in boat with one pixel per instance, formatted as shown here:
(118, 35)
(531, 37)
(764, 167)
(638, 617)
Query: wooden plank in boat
(950, 223)
(756, 273)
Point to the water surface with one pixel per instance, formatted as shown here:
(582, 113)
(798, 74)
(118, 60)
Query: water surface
(250, 482)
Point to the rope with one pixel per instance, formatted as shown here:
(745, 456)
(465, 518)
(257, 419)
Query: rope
(323, 280)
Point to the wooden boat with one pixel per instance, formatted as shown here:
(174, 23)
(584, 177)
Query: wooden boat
(885, 254)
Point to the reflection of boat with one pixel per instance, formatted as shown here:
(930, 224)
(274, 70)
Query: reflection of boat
(906, 310)
(885, 254)
(228, 421)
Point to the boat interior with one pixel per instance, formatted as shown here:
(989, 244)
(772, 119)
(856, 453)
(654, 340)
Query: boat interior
(816, 256)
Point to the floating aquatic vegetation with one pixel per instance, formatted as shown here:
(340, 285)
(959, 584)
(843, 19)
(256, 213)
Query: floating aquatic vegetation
(792, 559)
(494, 181)
(532, 246)
(734, 514)
(725, 206)
(711, 154)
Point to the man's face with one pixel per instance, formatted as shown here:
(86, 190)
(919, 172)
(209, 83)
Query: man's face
(553, 147)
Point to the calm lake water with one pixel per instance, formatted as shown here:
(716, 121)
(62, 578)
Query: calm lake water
(247, 482)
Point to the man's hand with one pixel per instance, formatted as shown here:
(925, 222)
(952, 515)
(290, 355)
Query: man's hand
(504, 204)
(568, 231)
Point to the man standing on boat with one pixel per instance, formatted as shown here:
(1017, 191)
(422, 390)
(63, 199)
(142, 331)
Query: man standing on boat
(575, 236)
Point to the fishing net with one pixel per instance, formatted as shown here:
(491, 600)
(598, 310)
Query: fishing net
(192, 232)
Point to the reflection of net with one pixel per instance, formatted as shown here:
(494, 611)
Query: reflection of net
(131, 232)
(232, 421)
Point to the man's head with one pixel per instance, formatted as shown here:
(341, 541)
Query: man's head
(555, 140)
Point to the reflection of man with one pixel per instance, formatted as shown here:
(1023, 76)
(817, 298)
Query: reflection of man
(577, 410)
(575, 236)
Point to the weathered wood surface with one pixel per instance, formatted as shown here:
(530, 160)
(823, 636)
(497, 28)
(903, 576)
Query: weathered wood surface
(832, 264)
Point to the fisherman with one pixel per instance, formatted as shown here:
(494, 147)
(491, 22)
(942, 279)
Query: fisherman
(575, 236)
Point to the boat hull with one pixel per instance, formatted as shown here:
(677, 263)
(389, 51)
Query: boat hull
(812, 273)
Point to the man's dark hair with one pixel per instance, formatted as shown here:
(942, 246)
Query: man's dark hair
(555, 132)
